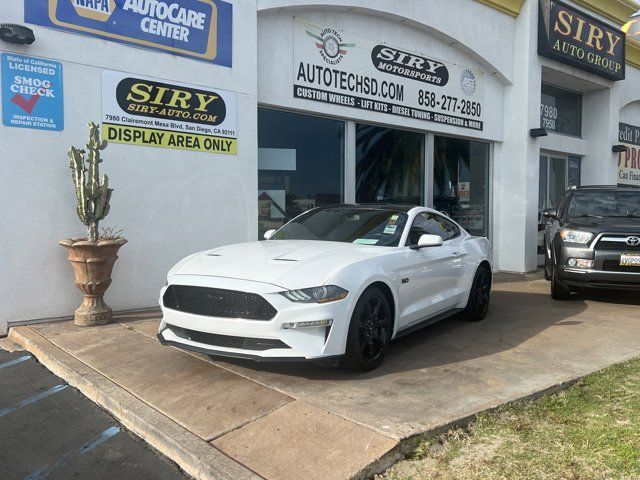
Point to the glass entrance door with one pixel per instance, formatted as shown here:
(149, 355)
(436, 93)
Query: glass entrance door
(557, 173)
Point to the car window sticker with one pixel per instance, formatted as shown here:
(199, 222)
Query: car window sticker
(366, 241)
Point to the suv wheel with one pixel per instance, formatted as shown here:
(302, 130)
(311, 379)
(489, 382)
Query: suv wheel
(548, 266)
(559, 291)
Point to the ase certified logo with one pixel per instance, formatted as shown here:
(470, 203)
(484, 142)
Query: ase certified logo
(468, 82)
(633, 241)
(330, 45)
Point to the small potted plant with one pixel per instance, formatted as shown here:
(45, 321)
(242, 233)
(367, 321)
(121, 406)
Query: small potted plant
(93, 257)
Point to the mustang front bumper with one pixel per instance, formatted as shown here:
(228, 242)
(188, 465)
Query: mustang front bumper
(257, 339)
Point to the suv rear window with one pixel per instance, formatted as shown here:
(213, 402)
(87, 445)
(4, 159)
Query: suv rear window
(604, 203)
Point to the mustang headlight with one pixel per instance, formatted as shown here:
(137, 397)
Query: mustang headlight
(575, 236)
(324, 294)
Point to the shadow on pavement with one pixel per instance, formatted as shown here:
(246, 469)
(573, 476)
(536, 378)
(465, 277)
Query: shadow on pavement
(514, 318)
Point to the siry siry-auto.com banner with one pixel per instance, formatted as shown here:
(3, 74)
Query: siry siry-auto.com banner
(629, 160)
(199, 29)
(332, 66)
(152, 113)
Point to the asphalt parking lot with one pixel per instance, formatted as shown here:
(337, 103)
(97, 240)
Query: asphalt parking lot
(292, 421)
(49, 430)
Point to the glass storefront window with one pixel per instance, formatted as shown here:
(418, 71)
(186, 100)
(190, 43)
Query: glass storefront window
(389, 165)
(561, 111)
(300, 165)
(461, 182)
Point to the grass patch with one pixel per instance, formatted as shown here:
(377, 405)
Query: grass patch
(590, 431)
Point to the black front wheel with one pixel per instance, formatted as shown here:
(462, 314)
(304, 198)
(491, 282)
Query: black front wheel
(559, 291)
(479, 296)
(370, 331)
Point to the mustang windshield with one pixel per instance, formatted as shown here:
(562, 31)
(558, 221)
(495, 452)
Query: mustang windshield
(605, 204)
(366, 226)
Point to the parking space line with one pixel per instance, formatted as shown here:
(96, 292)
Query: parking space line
(31, 400)
(15, 361)
(43, 472)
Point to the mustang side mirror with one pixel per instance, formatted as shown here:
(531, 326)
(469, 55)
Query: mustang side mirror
(269, 233)
(427, 241)
(550, 213)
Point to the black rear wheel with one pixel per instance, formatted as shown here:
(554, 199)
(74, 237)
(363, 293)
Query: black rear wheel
(479, 296)
(370, 331)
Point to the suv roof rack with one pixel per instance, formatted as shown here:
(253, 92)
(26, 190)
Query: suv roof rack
(605, 187)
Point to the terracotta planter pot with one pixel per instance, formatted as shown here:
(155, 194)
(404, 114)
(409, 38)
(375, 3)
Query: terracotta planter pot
(92, 264)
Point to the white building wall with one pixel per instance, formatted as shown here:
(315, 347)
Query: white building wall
(406, 24)
(170, 203)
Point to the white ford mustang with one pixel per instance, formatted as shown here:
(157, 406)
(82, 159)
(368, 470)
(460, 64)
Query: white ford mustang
(339, 281)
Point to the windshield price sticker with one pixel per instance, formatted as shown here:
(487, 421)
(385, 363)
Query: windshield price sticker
(334, 67)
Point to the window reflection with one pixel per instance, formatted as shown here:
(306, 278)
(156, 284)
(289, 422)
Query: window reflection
(300, 165)
(461, 182)
(389, 165)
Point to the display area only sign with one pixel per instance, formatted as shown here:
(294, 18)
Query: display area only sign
(570, 36)
(629, 161)
(332, 66)
(32, 92)
(199, 29)
(149, 112)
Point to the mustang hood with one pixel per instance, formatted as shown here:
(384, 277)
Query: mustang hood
(289, 264)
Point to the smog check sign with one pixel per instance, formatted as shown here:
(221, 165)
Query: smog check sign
(199, 29)
(32, 92)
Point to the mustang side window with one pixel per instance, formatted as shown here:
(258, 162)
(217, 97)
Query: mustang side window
(431, 224)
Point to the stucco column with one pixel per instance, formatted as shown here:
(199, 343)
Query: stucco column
(600, 126)
(516, 159)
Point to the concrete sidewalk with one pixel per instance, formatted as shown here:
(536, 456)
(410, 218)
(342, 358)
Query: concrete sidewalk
(237, 419)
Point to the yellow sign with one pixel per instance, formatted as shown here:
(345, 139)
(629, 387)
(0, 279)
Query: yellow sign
(151, 137)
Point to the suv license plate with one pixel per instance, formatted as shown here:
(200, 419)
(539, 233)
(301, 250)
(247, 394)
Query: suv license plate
(629, 260)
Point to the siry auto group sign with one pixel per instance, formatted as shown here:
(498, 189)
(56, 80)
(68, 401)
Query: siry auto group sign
(575, 38)
(199, 29)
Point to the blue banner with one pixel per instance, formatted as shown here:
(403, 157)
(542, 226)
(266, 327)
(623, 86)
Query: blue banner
(199, 29)
(32, 92)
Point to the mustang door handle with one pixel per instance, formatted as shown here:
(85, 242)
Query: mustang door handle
(456, 254)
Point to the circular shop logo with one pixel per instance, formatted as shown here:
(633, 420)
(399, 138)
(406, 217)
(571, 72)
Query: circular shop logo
(468, 82)
(330, 45)
(633, 241)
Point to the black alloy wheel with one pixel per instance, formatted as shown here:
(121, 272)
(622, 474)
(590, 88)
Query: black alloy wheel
(370, 331)
(479, 296)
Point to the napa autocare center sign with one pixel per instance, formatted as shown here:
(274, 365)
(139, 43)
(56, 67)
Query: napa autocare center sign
(629, 161)
(199, 29)
(572, 37)
(153, 113)
(332, 66)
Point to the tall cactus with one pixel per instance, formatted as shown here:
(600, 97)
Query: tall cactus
(93, 196)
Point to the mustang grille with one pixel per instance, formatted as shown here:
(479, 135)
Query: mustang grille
(227, 341)
(217, 302)
(614, 266)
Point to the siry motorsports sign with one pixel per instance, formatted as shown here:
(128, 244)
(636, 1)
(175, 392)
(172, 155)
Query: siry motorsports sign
(629, 161)
(332, 66)
(580, 40)
(199, 29)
